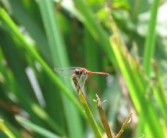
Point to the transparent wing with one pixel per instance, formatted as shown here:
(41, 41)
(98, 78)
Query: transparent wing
(81, 80)
(65, 71)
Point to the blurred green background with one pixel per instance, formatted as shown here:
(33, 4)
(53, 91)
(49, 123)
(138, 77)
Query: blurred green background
(126, 38)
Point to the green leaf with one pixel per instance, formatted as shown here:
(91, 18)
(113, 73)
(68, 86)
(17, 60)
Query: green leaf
(36, 128)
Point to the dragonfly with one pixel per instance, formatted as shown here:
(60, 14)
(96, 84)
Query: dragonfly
(81, 73)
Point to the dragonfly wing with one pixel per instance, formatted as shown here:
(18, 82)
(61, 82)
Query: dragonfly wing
(65, 71)
(81, 80)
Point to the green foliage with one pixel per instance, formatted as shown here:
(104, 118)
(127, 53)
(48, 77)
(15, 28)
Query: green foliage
(37, 36)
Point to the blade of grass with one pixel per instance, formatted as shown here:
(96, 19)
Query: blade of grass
(31, 26)
(149, 46)
(90, 53)
(159, 92)
(6, 130)
(56, 45)
(59, 57)
(36, 128)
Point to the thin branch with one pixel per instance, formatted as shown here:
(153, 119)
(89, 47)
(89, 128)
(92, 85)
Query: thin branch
(125, 123)
(103, 117)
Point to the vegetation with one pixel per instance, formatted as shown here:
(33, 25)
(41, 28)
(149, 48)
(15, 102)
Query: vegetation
(118, 37)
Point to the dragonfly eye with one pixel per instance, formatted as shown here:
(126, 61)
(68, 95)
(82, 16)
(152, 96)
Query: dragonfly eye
(77, 72)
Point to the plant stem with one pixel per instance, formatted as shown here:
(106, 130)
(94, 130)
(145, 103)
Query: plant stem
(86, 107)
(125, 123)
(103, 118)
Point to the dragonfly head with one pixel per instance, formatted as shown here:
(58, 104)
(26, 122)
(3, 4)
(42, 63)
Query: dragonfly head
(79, 71)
